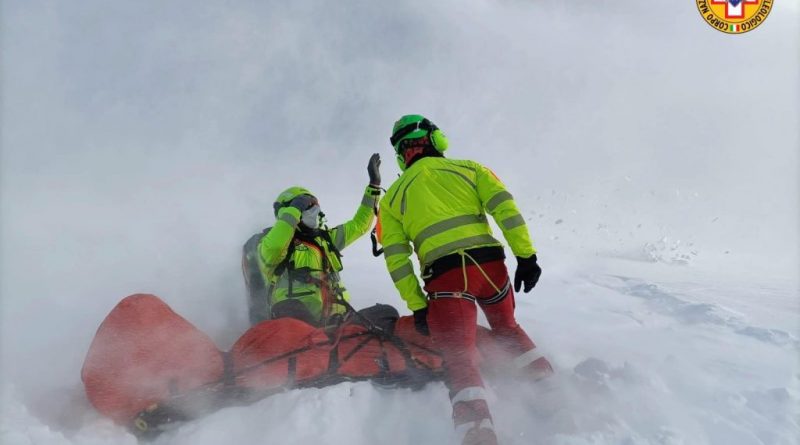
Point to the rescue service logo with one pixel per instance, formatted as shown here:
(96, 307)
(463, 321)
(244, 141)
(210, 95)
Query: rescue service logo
(734, 16)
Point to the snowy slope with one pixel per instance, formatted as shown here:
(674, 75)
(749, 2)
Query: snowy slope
(654, 158)
(641, 359)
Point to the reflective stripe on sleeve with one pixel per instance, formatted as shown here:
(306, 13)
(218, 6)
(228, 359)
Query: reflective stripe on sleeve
(497, 199)
(402, 272)
(513, 222)
(339, 241)
(396, 249)
(448, 224)
(469, 394)
(368, 201)
(289, 218)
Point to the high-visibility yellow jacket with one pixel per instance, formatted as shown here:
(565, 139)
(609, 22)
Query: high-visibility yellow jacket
(440, 205)
(313, 276)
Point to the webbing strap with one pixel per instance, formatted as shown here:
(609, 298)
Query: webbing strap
(461, 295)
(466, 296)
(500, 296)
(293, 352)
(376, 249)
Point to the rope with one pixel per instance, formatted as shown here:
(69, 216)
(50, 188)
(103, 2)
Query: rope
(483, 272)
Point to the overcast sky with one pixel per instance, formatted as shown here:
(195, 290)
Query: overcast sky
(143, 142)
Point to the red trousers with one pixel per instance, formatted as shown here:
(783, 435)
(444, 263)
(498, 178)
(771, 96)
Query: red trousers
(452, 323)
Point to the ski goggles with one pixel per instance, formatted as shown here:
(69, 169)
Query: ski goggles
(402, 132)
(311, 216)
(313, 202)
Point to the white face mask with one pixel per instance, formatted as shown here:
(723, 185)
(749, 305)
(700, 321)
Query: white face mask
(310, 217)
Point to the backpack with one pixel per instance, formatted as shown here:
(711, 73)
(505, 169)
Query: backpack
(258, 294)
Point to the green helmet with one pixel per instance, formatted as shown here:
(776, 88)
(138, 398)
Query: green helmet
(287, 196)
(415, 126)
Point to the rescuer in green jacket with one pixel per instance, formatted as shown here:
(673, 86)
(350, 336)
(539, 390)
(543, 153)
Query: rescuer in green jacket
(439, 207)
(292, 268)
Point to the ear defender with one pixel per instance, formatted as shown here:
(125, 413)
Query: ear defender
(401, 162)
(414, 126)
(438, 140)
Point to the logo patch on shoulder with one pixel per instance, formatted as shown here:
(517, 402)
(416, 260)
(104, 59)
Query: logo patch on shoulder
(734, 16)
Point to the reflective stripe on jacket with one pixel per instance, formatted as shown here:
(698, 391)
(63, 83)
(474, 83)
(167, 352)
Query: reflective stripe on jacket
(439, 206)
(308, 274)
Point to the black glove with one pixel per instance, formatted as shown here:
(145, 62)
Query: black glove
(421, 321)
(303, 202)
(528, 272)
(373, 169)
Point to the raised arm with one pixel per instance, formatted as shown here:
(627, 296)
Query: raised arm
(273, 247)
(345, 234)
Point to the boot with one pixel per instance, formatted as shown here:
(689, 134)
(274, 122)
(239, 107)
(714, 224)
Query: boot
(473, 422)
(539, 369)
(479, 433)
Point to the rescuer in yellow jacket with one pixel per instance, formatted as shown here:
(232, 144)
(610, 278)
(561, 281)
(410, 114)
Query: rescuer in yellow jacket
(292, 268)
(439, 207)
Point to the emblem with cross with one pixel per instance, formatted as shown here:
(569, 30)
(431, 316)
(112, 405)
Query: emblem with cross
(734, 9)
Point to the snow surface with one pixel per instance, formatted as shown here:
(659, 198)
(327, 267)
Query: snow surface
(143, 143)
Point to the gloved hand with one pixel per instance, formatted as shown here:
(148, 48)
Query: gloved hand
(528, 272)
(373, 169)
(303, 202)
(421, 321)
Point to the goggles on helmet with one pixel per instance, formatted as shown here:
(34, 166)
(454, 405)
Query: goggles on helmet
(314, 202)
(402, 132)
(279, 205)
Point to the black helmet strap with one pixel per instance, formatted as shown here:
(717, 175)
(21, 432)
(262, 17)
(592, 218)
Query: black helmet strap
(402, 132)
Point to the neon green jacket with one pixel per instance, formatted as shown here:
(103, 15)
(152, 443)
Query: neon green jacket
(440, 205)
(315, 287)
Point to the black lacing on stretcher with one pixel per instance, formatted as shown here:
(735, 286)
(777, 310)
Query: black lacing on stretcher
(151, 422)
(157, 418)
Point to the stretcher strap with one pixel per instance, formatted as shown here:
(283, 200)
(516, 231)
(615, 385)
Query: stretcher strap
(498, 297)
(494, 299)
(462, 295)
